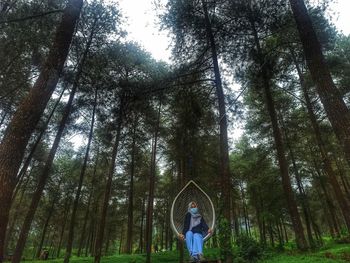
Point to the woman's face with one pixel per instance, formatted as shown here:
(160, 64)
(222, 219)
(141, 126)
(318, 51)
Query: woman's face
(193, 205)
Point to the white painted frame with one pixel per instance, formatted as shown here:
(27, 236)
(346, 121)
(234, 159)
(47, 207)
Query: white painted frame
(212, 226)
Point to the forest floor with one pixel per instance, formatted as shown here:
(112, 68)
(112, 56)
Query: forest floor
(328, 254)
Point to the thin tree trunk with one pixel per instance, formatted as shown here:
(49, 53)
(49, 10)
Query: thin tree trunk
(336, 110)
(152, 179)
(130, 225)
(331, 207)
(225, 207)
(65, 217)
(121, 240)
(141, 226)
(303, 197)
(286, 183)
(93, 181)
(35, 145)
(101, 228)
(13, 221)
(83, 169)
(28, 113)
(42, 181)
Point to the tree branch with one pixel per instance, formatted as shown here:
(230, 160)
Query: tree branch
(31, 17)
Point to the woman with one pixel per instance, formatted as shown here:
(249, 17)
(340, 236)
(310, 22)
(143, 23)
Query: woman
(194, 229)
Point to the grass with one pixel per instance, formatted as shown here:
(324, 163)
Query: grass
(330, 253)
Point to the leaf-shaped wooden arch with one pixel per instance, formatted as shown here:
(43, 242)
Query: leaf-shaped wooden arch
(191, 192)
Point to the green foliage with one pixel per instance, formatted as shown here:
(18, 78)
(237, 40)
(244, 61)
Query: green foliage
(333, 253)
(224, 238)
(249, 248)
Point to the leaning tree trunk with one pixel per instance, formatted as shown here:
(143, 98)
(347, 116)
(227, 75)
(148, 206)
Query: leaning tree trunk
(338, 192)
(152, 179)
(336, 110)
(283, 165)
(42, 181)
(331, 207)
(225, 207)
(101, 228)
(131, 194)
(303, 198)
(81, 177)
(67, 205)
(28, 113)
(34, 146)
(28, 160)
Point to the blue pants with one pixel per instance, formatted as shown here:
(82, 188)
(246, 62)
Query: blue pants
(194, 243)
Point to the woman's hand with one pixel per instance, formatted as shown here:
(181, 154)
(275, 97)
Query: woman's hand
(181, 237)
(210, 231)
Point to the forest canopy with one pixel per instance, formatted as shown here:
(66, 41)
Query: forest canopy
(145, 128)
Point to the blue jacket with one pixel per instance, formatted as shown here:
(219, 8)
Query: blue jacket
(202, 228)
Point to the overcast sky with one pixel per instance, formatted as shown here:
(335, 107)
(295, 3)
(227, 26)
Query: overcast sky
(142, 24)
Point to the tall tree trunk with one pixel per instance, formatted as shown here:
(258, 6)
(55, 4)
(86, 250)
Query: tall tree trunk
(336, 110)
(328, 199)
(286, 183)
(101, 227)
(65, 217)
(83, 231)
(225, 207)
(283, 165)
(129, 234)
(141, 244)
(338, 192)
(87, 213)
(303, 197)
(152, 180)
(28, 113)
(82, 173)
(42, 181)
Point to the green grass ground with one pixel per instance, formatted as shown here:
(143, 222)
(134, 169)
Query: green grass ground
(329, 254)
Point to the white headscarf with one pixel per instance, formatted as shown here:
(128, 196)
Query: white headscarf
(195, 217)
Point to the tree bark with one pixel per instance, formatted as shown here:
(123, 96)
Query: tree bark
(344, 206)
(34, 146)
(42, 181)
(336, 110)
(13, 220)
(283, 165)
(101, 228)
(152, 180)
(225, 207)
(303, 198)
(28, 113)
(129, 234)
(141, 244)
(82, 173)
(65, 217)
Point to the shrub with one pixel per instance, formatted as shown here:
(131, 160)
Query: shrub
(342, 240)
(249, 249)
